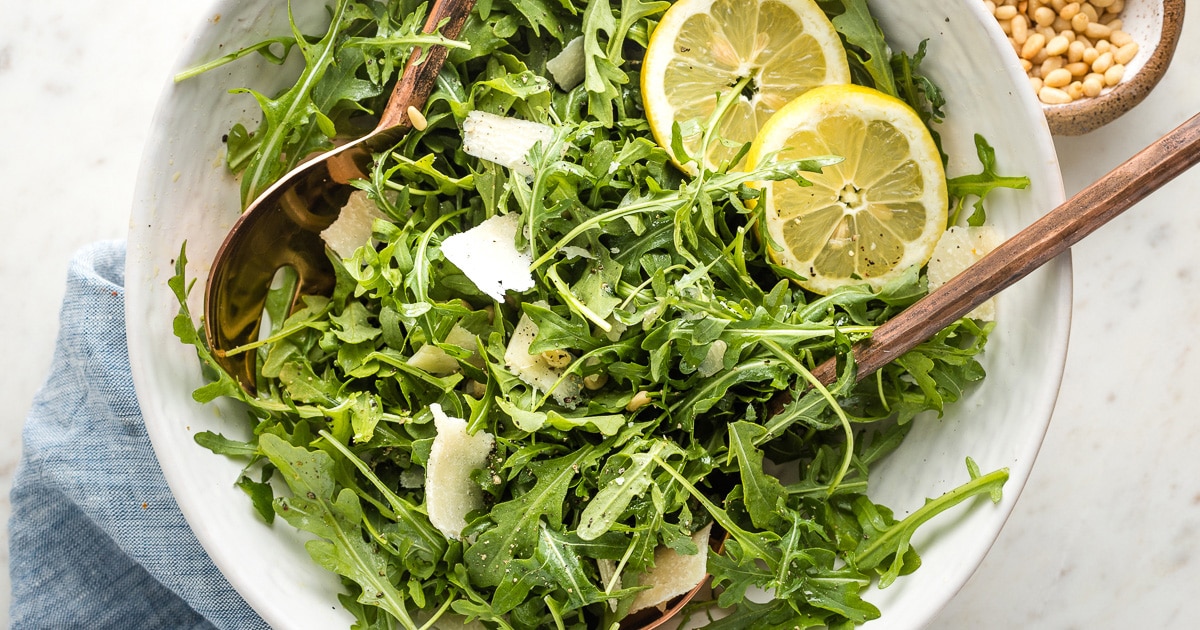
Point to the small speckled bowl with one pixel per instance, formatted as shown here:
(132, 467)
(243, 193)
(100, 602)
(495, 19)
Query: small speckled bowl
(1155, 25)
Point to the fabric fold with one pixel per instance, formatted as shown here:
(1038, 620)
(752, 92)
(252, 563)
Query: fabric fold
(96, 538)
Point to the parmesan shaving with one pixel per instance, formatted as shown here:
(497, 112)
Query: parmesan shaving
(534, 370)
(567, 67)
(449, 492)
(487, 254)
(959, 248)
(434, 360)
(503, 140)
(673, 574)
(352, 228)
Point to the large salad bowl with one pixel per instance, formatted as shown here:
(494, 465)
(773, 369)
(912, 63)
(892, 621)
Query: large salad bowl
(186, 194)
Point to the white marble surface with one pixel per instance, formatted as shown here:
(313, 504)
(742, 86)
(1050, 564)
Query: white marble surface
(1107, 533)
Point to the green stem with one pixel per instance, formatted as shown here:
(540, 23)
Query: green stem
(807, 375)
(881, 547)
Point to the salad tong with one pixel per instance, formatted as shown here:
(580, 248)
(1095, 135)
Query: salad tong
(282, 227)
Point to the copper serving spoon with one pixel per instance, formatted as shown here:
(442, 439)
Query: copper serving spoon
(282, 227)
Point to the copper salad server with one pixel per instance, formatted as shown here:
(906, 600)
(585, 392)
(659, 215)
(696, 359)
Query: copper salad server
(282, 227)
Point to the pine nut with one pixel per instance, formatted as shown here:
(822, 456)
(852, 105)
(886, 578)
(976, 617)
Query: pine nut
(1057, 45)
(595, 381)
(1077, 69)
(417, 119)
(1020, 29)
(1103, 63)
(1053, 96)
(1058, 78)
(1113, 75)
(1033, 45)
(557, 358)
(1095, 30)
(639, 400)
(1075, 51)
(1126, 53)
(1069, 49)
(1044, 16)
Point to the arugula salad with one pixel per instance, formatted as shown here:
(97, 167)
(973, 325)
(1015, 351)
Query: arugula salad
(579, 450)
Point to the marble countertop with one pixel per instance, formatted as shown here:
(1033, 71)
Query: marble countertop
(1107, 531)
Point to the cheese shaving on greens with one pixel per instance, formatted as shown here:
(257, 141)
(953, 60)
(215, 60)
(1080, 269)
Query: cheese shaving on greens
(488, 256)
(450, 494)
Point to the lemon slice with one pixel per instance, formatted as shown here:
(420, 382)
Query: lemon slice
(869, 218)
(775, 49)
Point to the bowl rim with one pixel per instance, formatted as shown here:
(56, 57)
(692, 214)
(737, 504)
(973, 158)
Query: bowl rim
(273, 612)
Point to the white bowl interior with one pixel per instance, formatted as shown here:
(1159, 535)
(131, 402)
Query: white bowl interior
(185, 193)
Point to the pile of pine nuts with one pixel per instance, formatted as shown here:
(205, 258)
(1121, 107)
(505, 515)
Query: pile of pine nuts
(1071, 50)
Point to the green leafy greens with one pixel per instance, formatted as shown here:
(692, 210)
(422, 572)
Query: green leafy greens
(659, 288)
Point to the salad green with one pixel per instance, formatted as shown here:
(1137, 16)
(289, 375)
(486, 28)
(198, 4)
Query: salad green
(657, 286)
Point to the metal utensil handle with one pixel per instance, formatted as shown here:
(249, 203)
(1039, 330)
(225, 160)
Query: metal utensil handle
(420, 74)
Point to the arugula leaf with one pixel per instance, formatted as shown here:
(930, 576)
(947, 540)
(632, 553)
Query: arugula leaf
(763, 492)
(885, 538)
(866, 46)
(980, 185)
(336, 517)
(514, 529)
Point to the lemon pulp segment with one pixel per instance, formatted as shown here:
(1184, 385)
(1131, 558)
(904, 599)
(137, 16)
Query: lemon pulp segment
(868, 218)
(775, 50)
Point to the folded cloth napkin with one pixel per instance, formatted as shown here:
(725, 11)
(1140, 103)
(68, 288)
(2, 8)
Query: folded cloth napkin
(96, 539)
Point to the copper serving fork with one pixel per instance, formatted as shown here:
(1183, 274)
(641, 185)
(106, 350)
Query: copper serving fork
(282, 227)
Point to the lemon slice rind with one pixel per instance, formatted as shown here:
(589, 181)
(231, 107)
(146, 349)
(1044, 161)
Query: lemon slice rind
(784, 47)
(868, 219)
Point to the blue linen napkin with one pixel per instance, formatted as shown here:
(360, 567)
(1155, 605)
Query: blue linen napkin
(96, 539)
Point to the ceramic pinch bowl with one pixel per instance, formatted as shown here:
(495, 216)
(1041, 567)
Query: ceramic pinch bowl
(1118, 82)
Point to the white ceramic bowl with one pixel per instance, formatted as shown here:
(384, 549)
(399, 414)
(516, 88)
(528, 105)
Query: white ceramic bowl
(185, 193)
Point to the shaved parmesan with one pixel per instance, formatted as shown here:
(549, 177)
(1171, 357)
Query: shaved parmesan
(503, 140)
(434, 360)
(533, 369)
(673, 574)
(352, 229)
(487, 254)
(959, 248)
(449, 492)
(567, 67)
